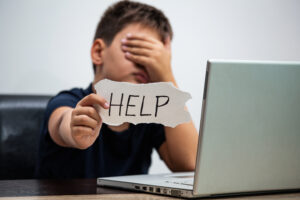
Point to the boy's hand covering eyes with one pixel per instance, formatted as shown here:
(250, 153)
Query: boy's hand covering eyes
(86, 122)
(151, 53)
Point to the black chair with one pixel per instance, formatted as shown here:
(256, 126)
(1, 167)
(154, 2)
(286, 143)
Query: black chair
(21, 118)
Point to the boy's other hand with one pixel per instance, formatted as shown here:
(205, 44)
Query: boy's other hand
(151, 53)
(85, 121)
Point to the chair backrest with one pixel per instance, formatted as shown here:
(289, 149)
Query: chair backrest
(21, 118)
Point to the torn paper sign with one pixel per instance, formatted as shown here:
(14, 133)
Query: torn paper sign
(142, 103)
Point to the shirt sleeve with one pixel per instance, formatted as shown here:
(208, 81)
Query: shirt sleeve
(64, 98)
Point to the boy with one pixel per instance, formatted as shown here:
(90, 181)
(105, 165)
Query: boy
(131, 44)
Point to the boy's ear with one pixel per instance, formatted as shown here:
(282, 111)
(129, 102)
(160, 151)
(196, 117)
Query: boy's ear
(97, 52)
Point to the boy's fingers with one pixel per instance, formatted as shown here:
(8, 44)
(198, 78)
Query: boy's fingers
(136, 36)
(82, 131)
(84, 120)
(137, 43)
(92, 99)
(142, 60)
(137, 51)
(89, 111)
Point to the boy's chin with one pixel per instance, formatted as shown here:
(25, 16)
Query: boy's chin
(133, 81)
(136, 81)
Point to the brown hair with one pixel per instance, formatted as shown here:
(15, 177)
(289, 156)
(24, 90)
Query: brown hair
(123, 13)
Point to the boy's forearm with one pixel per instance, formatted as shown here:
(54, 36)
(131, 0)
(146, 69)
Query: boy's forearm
(182, 143)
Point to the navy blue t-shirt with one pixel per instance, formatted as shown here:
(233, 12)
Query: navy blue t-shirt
(112, 154)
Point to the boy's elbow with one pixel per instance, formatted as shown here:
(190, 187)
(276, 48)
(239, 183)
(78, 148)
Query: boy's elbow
(190, 165)
(187, 165)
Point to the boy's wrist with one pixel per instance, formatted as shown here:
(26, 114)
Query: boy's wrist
(169, 78)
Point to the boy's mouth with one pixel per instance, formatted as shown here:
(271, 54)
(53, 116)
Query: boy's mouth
(141, 77)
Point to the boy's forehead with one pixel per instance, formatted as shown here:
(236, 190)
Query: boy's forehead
(141, 29)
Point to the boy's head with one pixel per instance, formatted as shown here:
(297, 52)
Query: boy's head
(124, 13)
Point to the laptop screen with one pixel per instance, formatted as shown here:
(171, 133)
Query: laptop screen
(250, 128)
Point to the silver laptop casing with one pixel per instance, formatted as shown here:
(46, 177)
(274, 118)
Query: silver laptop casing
(250, 128)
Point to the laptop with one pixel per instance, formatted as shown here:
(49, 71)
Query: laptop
(249, 137)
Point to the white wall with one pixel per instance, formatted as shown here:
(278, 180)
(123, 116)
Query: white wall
(45, 45)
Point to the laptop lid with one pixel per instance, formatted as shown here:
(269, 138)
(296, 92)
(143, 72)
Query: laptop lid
(250, 128)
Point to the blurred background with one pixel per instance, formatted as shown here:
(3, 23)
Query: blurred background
(45, 45)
